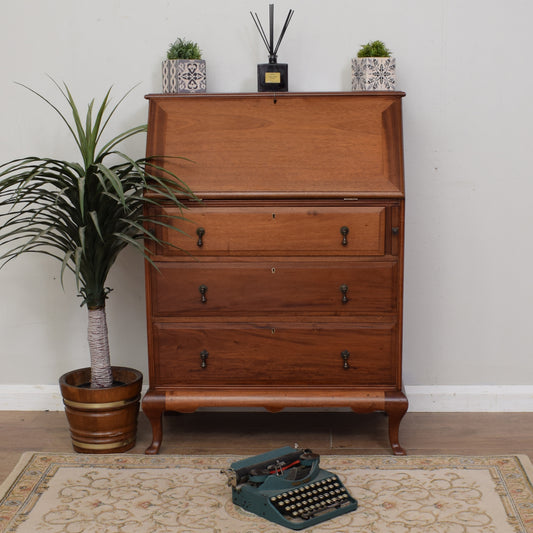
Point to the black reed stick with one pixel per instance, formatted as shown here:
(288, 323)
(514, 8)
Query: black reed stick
(271, 12)
(269, 42)
(260, 29)
(285, 26)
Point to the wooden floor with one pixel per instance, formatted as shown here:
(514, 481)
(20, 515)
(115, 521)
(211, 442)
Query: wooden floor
(249, 433)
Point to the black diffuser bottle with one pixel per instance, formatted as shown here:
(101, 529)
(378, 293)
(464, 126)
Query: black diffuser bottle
(272, 76)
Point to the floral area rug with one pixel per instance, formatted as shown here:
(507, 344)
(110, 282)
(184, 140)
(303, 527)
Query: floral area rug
(137, 493)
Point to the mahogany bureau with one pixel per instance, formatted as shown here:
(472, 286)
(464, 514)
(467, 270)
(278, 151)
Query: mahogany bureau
(285, 285)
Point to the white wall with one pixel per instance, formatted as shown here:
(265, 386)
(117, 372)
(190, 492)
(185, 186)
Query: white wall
(468, 140)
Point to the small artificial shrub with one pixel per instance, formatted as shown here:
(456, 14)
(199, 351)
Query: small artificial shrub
(374, 49)
(182, 49)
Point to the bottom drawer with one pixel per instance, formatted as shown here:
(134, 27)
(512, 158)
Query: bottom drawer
(272, 354)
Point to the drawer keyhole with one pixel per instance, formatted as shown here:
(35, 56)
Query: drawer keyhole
(204, 354)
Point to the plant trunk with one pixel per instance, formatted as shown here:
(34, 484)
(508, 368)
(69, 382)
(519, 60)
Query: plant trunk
(101, 375)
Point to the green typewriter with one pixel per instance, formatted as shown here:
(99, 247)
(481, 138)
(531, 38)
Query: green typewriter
(288, 487)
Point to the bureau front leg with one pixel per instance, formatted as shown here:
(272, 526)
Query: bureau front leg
(396, 405)
(153, 405)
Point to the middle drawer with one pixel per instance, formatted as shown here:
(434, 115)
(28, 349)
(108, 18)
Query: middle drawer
(204, 289)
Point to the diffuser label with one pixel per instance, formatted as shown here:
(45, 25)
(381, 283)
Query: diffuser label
(272, 77)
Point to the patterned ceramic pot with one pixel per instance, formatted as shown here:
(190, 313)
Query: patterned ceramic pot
(184, 76)
(373, 74)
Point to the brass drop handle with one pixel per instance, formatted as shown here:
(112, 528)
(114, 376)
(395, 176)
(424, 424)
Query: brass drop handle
(200, 232)
(344, 290)
(204, 354)
(203, 290)
(344, 232)
(345, 356)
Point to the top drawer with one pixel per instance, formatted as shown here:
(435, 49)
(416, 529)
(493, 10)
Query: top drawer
(271, 230)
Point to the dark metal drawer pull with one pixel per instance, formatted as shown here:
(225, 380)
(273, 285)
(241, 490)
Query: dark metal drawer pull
(344, 290)
(200, 232)
(344, 232)
(345, 356)
(203, 290)
(204, 354)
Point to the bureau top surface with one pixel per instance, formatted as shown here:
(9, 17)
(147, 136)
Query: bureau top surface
(270, 95)
(304, 145)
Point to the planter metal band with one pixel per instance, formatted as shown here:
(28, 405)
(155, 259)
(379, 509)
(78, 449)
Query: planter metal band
(106, 446)
(98, 406)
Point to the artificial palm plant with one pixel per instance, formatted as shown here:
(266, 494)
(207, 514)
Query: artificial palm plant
(84, 213)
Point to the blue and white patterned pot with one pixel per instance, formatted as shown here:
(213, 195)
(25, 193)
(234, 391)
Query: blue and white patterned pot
(373, 74)
(184, 76)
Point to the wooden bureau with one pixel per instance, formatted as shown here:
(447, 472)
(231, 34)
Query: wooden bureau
(284, 288)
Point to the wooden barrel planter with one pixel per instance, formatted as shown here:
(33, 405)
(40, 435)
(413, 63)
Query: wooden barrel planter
(102, 420)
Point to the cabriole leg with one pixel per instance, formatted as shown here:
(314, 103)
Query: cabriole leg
(396, 405)
(153, 407)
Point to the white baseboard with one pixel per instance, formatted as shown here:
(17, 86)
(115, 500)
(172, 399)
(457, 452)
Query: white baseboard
(470, 398)
(30, 398)
(422, 398)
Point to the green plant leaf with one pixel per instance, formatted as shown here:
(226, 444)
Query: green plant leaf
(94, 218)
(113, 179)
(105, 151)
(55, 108)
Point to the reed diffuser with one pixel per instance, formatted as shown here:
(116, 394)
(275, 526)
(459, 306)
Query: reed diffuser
(272, 76)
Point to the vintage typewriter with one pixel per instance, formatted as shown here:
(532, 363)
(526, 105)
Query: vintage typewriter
(288, 487)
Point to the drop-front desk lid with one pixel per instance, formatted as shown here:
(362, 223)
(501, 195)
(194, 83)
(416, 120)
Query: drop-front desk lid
(345, 144)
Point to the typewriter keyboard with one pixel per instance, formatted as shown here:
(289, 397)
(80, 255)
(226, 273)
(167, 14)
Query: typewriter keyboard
(313, 499)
